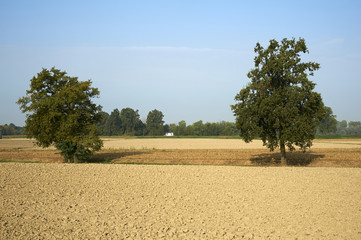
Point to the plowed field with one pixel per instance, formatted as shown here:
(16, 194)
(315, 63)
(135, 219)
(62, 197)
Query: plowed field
(112, 201)
(101, 201)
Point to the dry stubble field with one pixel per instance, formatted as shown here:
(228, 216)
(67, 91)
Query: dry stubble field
(329, 153)
(107, 201)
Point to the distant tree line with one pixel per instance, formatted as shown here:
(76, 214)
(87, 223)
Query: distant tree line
(11, 129)
(199, 128)
(330, 126)
(343, 128)
(127, 122)
(350, 128)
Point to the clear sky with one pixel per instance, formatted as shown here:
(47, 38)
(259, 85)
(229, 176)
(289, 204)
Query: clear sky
(187, 59)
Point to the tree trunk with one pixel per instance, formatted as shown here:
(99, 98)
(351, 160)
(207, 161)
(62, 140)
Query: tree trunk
(75, 159)
(283, 153)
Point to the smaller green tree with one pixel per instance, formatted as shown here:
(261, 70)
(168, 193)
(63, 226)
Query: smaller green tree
(113, 125)
(342, 127)
(354, 127)
(173, 128)
(181, 129)
(60, 112)
(166, 128)
(8, 129)
(155, 123)
(198, 128)
(130, 119)
(140, 128)
(328, 123)
(101, 124)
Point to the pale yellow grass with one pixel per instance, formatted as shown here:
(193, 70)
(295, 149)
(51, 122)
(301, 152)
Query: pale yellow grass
(200, 143)
(179, 143)
(182, 143)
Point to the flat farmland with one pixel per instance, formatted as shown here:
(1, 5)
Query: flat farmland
(181, 143)
(103, 201)
(336, 153)
(209, 143)
(215, 199)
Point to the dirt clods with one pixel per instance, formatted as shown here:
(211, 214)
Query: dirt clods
(102, 201)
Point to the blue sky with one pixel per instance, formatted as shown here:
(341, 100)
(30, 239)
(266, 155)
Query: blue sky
(187, 59)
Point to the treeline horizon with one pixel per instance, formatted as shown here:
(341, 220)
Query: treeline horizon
(127, 122)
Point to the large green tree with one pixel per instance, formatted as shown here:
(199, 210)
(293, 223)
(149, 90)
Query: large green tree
(279, 104)
(60, 112)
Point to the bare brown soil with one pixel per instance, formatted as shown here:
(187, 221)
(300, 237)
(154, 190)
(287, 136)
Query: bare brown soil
(107, 201)
(101, 201)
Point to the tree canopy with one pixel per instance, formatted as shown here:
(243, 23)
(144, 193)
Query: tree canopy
(279, 104)
(329, 123)
(60, 112)
(113, 125)
(130, 119)
(155, 123)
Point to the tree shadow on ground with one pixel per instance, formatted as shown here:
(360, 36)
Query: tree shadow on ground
(108, 157)
(293, 158)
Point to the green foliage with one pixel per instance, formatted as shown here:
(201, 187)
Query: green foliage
(341, 127)
(80, 150)
(328, 123)
(155, 126)
(343, 130)
(354, 128)
(11, 129)
(113, 125)
(101, 124)
(130, 119)
(198, 129)
(181, 129)
(204, 129)
(60, 112)
(166, 128)
(140, 128)
(155, 123)
(125, 122)
(279, 104)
